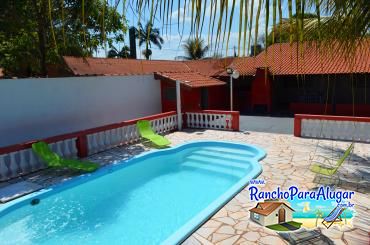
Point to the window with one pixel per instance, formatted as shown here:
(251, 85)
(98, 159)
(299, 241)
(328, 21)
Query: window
(170, 93)
(256, 216)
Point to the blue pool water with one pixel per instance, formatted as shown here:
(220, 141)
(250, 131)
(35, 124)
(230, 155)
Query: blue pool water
(160, 196)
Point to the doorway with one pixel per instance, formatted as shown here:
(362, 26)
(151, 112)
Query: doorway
(281, 215)
(204, 98)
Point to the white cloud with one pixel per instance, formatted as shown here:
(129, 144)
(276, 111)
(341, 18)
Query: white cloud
(175, 15)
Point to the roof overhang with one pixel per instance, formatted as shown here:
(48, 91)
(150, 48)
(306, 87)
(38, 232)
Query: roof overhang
(189, 79)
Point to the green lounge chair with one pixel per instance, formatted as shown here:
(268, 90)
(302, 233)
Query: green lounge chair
(146, 131)
(52, 159)
(333, 168)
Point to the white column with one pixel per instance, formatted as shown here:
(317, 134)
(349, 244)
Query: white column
(231, 92)
(178, 105)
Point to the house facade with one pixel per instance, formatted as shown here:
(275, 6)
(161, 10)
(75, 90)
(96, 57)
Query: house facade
(286, 79)
(279, 81)
(271, 213)
(201, 88)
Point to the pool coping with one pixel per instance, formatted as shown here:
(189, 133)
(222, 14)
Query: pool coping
(189, 227)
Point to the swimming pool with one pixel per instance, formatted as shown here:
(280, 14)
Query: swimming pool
(157, 197)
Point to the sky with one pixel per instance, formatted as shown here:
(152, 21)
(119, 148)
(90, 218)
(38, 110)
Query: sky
(174, 38)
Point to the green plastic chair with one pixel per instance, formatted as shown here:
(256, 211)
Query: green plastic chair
(146, 132)
(52, 159)
(333, 168)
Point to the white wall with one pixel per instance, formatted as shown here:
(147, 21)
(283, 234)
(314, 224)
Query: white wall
(38, 108)
(350, 130)
(273, 218)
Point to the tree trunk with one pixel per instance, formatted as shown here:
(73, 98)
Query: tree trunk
(40, 10)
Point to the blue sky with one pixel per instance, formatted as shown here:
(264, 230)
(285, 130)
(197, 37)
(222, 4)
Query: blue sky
(313, 205)
(174, 38)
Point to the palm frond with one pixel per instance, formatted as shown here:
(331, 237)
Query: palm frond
(347, 21)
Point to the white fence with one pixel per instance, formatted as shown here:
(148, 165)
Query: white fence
(17, 160)
(333, 127)
(24, 161)
(126, 134)
(223, 120)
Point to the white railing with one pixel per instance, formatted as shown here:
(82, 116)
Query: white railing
(126, 134)
(333, 127)
(223, 120)
(19, 159)
(25, 161)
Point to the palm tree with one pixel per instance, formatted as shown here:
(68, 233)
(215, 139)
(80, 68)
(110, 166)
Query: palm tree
(195, 49)
(114, 53)
(281, 33)
(149, 36)
(147, 53)
(345, 22)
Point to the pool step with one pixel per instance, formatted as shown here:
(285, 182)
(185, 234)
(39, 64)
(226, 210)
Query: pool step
(239, 152)
(212, 168)
(228, 164)
(218, 155)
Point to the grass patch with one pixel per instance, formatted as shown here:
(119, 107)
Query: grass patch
(277, 227)
(295, 224)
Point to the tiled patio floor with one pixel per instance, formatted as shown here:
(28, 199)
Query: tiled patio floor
(287, 163)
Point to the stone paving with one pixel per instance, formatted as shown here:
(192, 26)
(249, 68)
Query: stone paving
(287, 163)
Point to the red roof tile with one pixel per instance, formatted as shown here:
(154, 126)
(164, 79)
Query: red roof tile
(190, 79)
(283, 59)
(246, 66)
(110, 67)
(115, 67)
(266, 208)
(209, 67)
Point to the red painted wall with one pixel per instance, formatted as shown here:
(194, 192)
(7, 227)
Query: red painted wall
(347, 110)
(218, 98)
(340, 109)
(261, 90)
(190, 98)
(313, 108)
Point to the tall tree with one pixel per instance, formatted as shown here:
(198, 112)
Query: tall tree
(114, 53)
(195, 49)
(41, 32)
(148, 35)
(348, 20)
(283, 35)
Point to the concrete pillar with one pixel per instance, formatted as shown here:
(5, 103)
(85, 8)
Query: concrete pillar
(178, 104)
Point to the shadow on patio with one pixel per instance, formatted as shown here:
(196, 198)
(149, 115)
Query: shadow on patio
(353, 175)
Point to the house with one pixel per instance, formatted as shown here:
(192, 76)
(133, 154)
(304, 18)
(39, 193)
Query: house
(285, 79)
(271, 213)
(200, 86)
